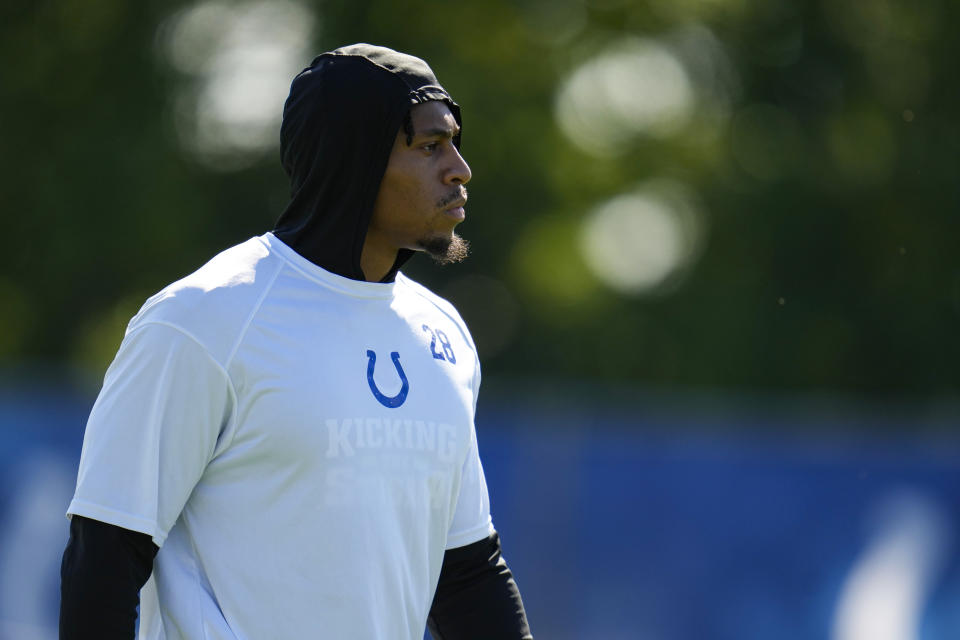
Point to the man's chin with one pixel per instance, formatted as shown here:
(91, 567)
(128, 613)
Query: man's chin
(446, 249)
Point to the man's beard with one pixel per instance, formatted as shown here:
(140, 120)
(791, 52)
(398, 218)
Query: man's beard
(446, 249)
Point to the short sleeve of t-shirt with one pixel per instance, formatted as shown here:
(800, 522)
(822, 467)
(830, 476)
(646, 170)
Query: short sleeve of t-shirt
(155, 426)
(471, 519)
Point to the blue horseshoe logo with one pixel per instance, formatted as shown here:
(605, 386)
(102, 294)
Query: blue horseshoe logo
(387, 401)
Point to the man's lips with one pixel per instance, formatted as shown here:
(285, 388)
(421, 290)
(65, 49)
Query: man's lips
(455, 209)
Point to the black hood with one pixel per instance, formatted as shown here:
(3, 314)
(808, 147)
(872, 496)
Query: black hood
(339, 125)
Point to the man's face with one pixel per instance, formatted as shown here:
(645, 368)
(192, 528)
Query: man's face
(422, 194)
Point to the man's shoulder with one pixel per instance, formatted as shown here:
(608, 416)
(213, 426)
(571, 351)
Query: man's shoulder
(428, 297)
(214, 303)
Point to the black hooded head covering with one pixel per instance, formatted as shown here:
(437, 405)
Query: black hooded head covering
(339, 125)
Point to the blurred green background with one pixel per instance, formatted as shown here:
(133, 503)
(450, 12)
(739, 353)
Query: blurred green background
(734, 195)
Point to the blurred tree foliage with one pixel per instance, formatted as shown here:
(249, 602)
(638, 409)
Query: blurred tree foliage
(828, 183)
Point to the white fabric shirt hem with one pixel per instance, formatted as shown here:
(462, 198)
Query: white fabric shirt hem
(118, 518)
(471, 536)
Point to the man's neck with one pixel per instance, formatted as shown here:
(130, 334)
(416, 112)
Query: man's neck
(376, 264)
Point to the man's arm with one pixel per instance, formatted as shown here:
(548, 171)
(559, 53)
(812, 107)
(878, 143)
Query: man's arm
(477, 597)
(104, 566)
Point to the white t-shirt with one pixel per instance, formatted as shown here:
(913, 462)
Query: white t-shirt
(301, 446)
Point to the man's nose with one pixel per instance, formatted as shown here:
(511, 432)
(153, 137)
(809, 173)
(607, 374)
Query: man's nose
(459, 171)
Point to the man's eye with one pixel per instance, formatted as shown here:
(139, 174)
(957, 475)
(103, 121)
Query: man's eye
(430, 146)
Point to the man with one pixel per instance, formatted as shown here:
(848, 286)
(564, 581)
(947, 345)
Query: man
(292, 424)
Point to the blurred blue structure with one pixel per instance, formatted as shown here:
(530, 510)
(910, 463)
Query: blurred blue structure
(671, 520)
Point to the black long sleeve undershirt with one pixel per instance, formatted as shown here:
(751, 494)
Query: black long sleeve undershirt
(105, 566)
(103, 570)
(477, 597)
